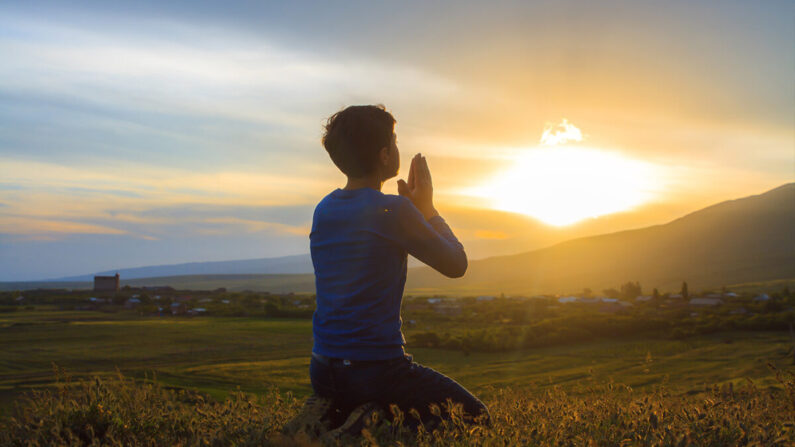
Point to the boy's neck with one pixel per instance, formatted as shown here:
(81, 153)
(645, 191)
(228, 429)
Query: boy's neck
(372, 181)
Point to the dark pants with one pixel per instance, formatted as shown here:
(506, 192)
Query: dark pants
(400, 381)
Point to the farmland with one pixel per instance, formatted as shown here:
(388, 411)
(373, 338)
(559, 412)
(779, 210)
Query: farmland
(217, 355)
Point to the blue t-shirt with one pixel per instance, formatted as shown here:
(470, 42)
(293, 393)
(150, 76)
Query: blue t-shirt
(359, 244)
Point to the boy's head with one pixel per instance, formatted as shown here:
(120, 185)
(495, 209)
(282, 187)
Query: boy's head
(361, 141)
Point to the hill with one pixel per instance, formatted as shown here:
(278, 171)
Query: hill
(737, 241)
(746, 240)
(278, 283)
(278, 265)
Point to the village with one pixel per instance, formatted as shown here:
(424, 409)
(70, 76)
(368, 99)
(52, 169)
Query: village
(108, 295)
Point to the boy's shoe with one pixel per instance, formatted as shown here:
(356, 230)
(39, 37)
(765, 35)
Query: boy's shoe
(313, 419)
(361, 417)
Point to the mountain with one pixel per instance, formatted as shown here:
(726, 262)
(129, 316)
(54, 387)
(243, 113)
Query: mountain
(280, 265)
(743, 240)
(737, 241)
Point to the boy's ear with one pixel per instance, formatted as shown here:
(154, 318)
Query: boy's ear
(383, 154)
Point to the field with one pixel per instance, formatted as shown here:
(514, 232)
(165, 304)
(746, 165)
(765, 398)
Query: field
(218, 355)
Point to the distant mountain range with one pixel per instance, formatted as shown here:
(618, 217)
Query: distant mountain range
(737, 241)
(743, 240)
(279, 265)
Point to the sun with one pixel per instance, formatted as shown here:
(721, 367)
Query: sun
(561, 184)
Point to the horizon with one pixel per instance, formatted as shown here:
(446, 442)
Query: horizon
(413, 263)
(160, 134)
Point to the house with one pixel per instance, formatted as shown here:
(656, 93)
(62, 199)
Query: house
(676, 296)
(485, 298)
(178, 308)
(643, 298)
(132, 302)
(434, 300)
(706, 301)
(106, 283)
(567, 299)
(762, 297)
(196, 311)
(730, 295)
(608, 300)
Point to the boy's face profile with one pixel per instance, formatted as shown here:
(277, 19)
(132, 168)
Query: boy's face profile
(389, 160)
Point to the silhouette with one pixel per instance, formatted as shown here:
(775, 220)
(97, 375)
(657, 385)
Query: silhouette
(359, 243)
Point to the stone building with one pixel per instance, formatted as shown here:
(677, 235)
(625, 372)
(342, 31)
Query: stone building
(106, 283)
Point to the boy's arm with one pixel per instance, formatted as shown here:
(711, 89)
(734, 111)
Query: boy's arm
(421, 230)
(431, 241)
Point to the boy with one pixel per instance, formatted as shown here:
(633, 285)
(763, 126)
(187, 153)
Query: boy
(359, 242)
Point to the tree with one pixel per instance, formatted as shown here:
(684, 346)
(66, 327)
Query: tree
(630, 290)
(684, 289)
(655, 294)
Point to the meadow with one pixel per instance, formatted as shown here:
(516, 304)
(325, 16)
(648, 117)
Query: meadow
(260, 360)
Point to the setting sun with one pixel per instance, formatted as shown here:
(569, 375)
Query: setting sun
(561, 184)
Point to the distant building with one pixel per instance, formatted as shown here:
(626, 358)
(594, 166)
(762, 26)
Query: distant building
(106, 283)
(567, 299)
(643, 298)
(485, 298)
(762, 297)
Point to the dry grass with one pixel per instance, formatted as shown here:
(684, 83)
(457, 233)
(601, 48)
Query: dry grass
(126, 412)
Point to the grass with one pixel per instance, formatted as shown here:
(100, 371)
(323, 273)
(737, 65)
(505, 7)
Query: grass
(121, 411)
(219, 355)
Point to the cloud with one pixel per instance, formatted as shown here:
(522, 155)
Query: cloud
(555, 134)
(253, 226)
(29, 226)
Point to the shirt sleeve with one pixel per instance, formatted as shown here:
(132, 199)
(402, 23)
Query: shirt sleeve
(431, 241)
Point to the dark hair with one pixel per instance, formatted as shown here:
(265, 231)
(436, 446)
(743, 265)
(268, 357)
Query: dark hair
(355, 135)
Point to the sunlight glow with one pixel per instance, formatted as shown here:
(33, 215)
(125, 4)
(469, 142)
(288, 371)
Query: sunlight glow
(560, 134)
(561, 184)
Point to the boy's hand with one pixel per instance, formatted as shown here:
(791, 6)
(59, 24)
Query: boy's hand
(419, 188)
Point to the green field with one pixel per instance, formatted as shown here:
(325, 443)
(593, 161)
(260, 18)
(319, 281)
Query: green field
(218, 355)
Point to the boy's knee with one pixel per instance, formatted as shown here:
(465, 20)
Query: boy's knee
(481, 415)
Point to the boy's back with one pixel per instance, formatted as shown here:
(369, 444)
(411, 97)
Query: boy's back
(359, 244)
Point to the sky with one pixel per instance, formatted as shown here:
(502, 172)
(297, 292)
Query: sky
(141, 133)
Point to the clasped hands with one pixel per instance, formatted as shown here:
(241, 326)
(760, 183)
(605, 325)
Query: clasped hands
(419, 188)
